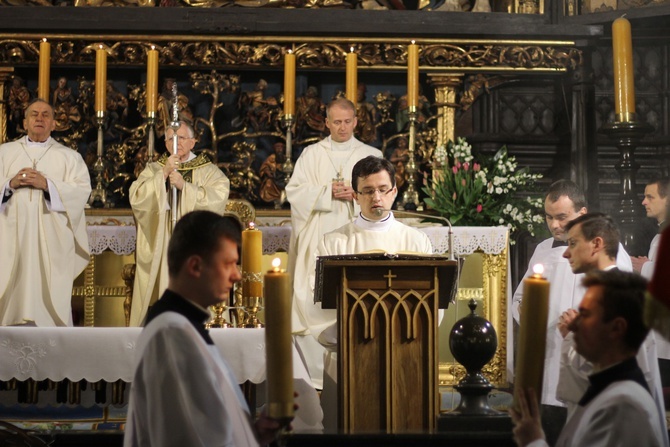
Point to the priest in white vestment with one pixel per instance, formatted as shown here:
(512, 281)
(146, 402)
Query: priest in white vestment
(201, 186)
(183, 393)
(375, 229)
(44, 188)
(322, 200)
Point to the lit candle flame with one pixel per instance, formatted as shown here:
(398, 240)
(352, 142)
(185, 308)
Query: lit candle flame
(276, 262)
(252, 226)
(351, 49)
(538, 269)
(44, 39)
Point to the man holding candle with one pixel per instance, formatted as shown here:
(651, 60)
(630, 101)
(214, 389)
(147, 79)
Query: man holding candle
(564, 202)
(201, 186)
(322, 200)
(44, 187)
(183, 393)
(617, 408)
(656, 205)
(593, 243)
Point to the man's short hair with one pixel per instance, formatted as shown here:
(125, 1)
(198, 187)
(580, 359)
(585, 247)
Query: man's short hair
(191, 132)
(35, 101)
(371, 165)
(663, 185)
(569, 189)
(200, 233)
(623, 296)
(342, 103)
(595, 225)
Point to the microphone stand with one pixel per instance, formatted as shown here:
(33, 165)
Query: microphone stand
(452, 257)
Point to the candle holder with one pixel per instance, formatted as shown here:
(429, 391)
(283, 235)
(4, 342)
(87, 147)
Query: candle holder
(98, 197)
(218, 321)
(288, 164)
(627, 135)
(410, 198)
(151, 136)
(252, 305)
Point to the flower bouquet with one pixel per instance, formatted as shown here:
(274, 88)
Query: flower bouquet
(483, 192)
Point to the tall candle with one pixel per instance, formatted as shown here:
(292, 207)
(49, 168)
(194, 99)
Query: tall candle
(624, 82)
(279, 344)
(352, 76)
(252, 258)
(100, 79)
(152, 80)
(413, 75)
(289, 83)
(532, 333)
(44, 68)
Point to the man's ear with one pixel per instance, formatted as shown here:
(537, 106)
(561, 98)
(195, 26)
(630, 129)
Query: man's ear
(598, 243)
(193, 266)
(619, 328)
(582, 211)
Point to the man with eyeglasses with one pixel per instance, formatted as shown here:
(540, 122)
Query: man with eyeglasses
(375, 229)
(201, 186)
(322, 200)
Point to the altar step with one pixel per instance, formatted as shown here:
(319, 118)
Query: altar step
(455, 439)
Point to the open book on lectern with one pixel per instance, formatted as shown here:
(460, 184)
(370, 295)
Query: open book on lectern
(329, 272)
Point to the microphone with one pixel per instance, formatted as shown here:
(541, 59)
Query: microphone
(380, 212)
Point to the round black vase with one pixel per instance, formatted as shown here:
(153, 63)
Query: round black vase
(473, 342)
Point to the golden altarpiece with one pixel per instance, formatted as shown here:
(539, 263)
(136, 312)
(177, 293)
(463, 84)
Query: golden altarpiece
(228, 66)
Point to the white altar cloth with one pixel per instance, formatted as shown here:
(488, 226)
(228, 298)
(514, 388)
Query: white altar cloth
(95, 354)
(121, 239)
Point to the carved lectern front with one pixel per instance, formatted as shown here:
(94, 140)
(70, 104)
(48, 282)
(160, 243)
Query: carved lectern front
(387, 310)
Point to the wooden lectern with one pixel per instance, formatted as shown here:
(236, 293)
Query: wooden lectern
(387, 311)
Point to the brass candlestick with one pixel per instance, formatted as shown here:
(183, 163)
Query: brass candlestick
(410, 198)
(151, 136)
(251, 305)
(218, 320)
(98, 197)
(288, 164)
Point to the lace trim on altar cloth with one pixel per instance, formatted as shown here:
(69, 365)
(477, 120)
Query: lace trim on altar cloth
(119, 239)
(467, 240)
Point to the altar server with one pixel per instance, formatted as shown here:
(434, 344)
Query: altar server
(183, 393)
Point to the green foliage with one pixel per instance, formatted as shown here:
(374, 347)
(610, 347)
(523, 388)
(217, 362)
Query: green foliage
(485, 192)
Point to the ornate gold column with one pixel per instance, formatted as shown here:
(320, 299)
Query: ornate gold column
(5, 75)
(495, 310)
(445, 101)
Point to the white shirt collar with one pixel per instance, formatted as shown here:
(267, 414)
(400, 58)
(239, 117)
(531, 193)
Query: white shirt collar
(375, 225)
(31, 143)
(337, 146)
(609, 267)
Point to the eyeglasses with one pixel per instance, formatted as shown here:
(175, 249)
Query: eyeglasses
(369, 192)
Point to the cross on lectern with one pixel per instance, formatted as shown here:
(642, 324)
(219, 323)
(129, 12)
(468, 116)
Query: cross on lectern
(390, 277)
